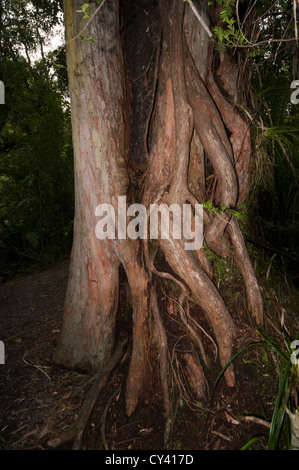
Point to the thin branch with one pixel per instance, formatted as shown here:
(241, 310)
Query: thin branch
(254, 419)
(203, 330)
(295, 19)
(184, 316)
(105, 416)
(266, 41)
(200, 19)
(82, 30)
(249, 44)
(16, 250)
(87, 24)
(248, 13)
(284, 34)
(269, 248)
(34, 365)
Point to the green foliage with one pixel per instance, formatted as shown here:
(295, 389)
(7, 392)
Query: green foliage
(287, 379)
(90, 39)
(26, 24)
(224, 268)
(277, 162)
(36, 205)
(87, 15)
(228, 35)
(36, 157)
(274, 205)
(56, 60)
(85, 10)
(222, 208)
(280, 425)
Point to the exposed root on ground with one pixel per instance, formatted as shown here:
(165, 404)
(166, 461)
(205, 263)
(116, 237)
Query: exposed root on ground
(76, 432)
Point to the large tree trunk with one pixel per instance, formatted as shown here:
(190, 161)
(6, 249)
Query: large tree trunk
(189, 134)
(96, 89)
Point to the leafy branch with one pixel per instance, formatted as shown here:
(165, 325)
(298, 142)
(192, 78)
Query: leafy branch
(231, 36)
(228, 35)
(209, 206)
(85, 9)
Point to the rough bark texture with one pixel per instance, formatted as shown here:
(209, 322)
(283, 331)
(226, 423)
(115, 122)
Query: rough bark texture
(96, 88)
(195, 147)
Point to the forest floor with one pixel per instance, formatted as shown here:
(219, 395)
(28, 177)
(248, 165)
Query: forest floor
(40, 400)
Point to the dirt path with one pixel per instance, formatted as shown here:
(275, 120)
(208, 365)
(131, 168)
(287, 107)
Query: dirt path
(32, 389)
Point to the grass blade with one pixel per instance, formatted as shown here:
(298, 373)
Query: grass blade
(250, 442)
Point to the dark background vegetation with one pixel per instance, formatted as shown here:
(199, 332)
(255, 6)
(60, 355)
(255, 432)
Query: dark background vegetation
(36, 170)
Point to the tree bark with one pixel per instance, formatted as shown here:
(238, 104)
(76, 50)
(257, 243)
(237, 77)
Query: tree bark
(97, 100)
(186, 130)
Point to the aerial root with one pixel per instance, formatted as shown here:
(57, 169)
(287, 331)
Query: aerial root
(104, 416)
(163, 359)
